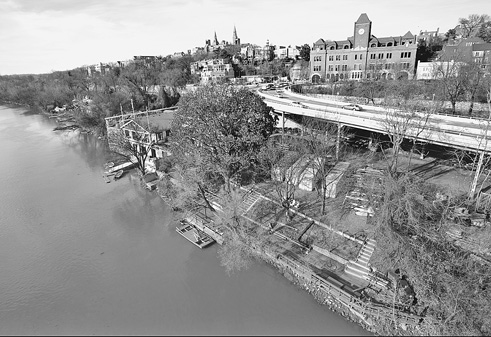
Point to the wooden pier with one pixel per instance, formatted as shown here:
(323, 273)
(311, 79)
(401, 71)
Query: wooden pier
(194, 235)
(124, 166)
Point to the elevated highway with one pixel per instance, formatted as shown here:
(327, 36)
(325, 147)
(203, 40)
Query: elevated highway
(457, 132)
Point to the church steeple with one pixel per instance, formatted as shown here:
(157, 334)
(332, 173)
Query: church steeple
(235, 39)
(215, 41)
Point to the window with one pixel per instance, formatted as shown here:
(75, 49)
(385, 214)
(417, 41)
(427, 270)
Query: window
(371, 66)
(331, 48)
(389, 55)
(317, 68)
(405, 54)
(405, 65)
(389, 44)
(337, 67)
(346, 47)
(355, 75)
(379, 66)
(381, 55)
(345, 57)
(338, 57)
(317, 58)
(361, 56)
(331, 58)
(372, 56)
(373, 45)
(356, 56)
(331, 68)
(344, 67)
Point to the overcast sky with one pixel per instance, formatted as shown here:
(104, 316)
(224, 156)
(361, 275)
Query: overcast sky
(40, 36)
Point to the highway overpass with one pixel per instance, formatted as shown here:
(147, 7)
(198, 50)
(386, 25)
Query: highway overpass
(451, 131)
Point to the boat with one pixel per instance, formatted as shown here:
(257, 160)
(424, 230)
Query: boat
(108, 165)
(194, 235)
(118, 174)
(151, 180)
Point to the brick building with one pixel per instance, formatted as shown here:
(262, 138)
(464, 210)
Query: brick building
(363, 56)
(213, 70)
(454, 56)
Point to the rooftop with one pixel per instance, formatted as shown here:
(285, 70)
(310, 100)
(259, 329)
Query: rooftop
(163, 120)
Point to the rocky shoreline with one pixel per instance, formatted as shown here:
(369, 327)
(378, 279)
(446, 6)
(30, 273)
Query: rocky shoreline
(320, 296)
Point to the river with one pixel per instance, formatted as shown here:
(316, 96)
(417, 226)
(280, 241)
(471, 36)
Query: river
(79, 256)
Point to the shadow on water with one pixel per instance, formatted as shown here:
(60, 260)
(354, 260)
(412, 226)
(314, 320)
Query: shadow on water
(90, 148)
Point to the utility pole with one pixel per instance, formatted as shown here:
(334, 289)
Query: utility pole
(338, 140)
(476, 176)
(282, 126)
(481, 155)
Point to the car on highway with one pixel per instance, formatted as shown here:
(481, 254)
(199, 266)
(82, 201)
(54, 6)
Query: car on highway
(268, 86)
(280, 95)
(355, 107)
(298, 104)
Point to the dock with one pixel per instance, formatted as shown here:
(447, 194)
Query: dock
(194, 235)
(124, 166)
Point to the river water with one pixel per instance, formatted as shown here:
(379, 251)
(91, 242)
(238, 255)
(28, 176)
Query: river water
(85, 257)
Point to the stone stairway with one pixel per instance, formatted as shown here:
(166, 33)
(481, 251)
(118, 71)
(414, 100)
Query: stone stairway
(360, 267)
(249, 200)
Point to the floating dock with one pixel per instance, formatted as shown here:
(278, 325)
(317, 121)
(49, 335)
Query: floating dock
(194, 235)
(124, 166)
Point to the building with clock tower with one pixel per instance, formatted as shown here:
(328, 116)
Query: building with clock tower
(363, 56)
(363, 31)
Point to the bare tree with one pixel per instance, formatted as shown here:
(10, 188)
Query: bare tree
(278, 162)
(471, 26)
(451, 76)
(320, 141)
(482, 164)
(407, 122)
(133, 144)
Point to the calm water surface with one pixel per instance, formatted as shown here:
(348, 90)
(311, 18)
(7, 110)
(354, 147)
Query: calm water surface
(81, 256)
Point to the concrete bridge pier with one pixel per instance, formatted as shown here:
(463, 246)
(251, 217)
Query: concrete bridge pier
(338, 140)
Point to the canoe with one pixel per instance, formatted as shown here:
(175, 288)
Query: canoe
(118, 174)
(194, 235)
(108, 165)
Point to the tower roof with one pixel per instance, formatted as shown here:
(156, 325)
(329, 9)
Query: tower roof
(363, 19)
(408, 35)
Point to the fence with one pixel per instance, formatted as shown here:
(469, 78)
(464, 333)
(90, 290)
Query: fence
(484, 202)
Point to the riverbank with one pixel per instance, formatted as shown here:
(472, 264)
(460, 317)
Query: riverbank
(327, 293)
(377, 316)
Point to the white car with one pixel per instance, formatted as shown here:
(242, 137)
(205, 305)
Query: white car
(355, 107)
(298, 104)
